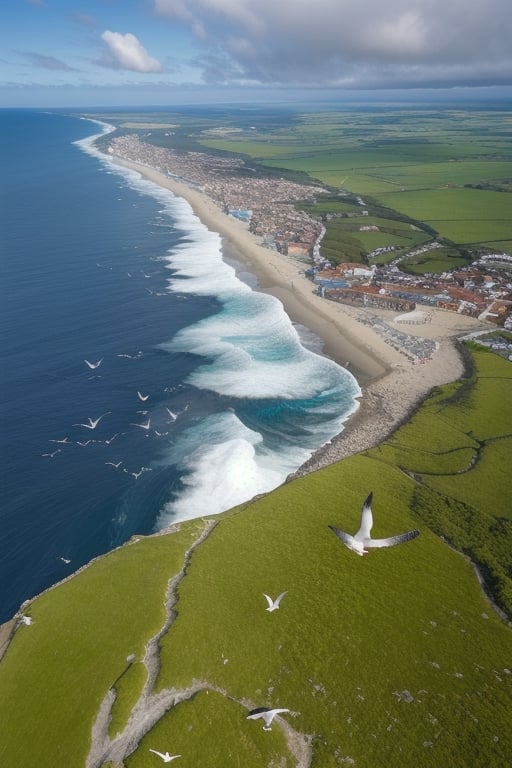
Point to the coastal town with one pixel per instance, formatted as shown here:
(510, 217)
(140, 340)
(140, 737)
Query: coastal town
(268, 206)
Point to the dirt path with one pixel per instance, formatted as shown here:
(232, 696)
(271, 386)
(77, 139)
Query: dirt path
(151, 707)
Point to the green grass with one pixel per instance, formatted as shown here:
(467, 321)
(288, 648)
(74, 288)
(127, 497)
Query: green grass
(397, 653)
(469, 427)
(128, 689)
(471, 486)
(330, 205)
(344, 240)
(433, 265)
(310, 654)
(442, 174)
(447, 170)
(461, 215)
(229, 743)
(499, 246)
(426, 164)
(83, 632)
(338, 245)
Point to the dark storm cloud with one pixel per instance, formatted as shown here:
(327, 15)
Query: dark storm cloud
(350, 43)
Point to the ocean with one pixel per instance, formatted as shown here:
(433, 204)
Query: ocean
(145, 379)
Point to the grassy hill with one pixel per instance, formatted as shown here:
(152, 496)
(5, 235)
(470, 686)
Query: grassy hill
(395, 658)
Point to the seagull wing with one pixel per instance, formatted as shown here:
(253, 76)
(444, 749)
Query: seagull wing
(279, 598)
(160, 754)
(366, 520)
(392, 540)
(346, 538)
(269, 600)
(94, 422)
(142, 426)
(258, 712)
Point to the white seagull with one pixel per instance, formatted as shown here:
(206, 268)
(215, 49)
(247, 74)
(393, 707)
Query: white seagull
(166, 757)
(267, 715)
(51, 455)
(92, 366)
(146, 425)
(93, 423)
(142, 397)
(116, 466)
(362, 538)
(173, 416)
(273, 605)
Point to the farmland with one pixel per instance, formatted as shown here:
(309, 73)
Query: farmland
(446, 172)
(451, 170)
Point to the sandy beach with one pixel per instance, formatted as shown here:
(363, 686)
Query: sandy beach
(392, 384)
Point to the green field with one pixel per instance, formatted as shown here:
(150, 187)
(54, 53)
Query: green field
(447, 171)
(418, 163)
(396, 658)
(461, 215)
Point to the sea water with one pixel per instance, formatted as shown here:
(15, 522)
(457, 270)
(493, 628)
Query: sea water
(207, 393)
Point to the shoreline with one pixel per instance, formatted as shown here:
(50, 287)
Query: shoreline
(392, 385)
(281, 276)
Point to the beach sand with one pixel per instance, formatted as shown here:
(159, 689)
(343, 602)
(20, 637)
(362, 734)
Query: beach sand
(392, 385)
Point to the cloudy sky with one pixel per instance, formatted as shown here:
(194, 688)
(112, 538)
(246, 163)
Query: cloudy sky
(136, 52)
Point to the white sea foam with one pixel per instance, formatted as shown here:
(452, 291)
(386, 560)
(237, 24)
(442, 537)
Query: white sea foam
(225, 464)
(252, 347)
(253, 353)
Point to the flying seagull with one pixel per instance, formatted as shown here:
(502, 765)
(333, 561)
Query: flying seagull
(362, 538)
(267, 715)
(146, 425)
(51, 455)
(173, 416)
(142, 397)
(166, 757)
(93, 423)
(273, 605)
(93, 365)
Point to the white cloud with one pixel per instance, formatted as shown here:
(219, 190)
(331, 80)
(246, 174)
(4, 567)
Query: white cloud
(126, 52)
(368, 43)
